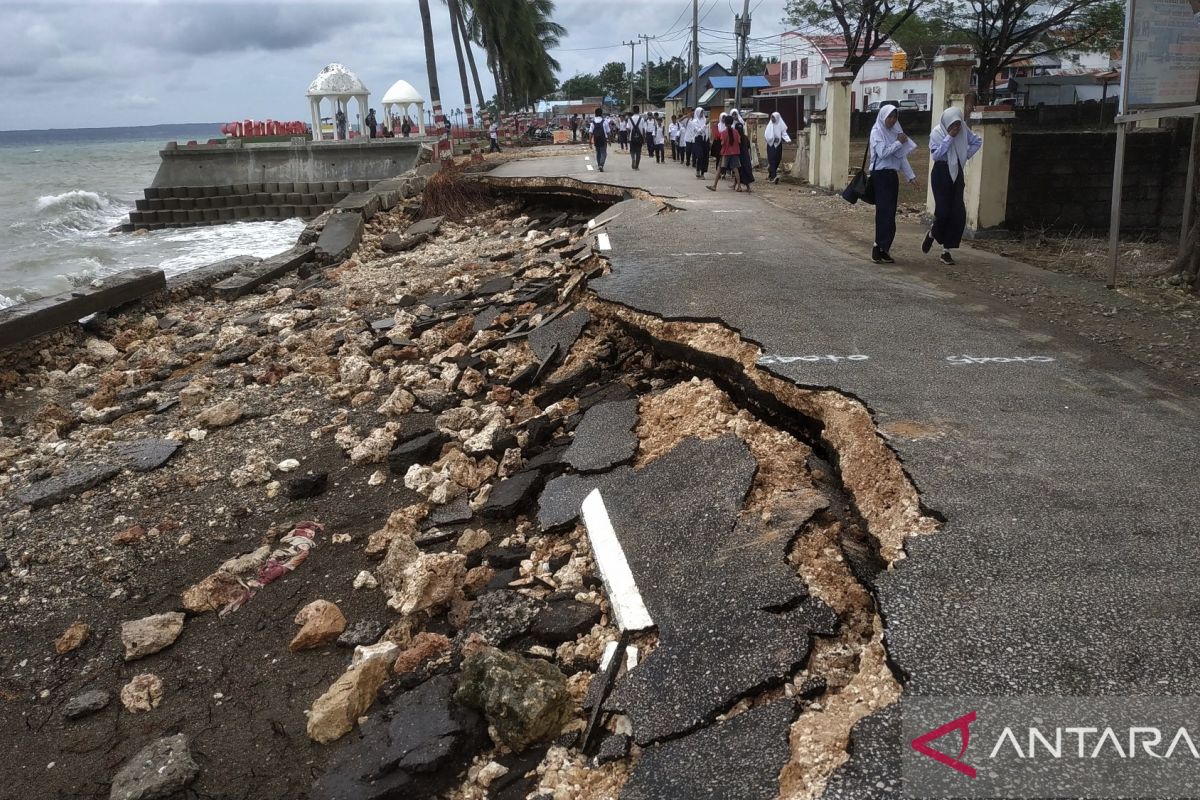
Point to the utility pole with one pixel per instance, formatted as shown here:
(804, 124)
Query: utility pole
(647, 38)
(743, 32)
(632, 45)
(694, 89)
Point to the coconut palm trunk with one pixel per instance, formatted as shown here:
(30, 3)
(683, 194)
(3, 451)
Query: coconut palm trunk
(466, 40)
(462, 67)
(435, 92)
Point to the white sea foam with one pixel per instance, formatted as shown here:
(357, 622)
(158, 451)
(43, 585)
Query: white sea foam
(79, 210)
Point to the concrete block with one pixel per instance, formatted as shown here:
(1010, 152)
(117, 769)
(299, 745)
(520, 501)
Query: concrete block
(155, 204)
(204, 203)
(193, 191)
(212, 214)
(428, 170)
(361, 186)
(287, 211)
(291, 198)
(241, 212)
(239, 188)
(141, 205)
(200, 278)
(273, 212)
(226, 214)
(286, 187)
(224, 190)
(303, 212)
(329, 186)
(171, 203)
(195, 215)
(154, 226)
(308, 199)
(152, 193)
(271, 187)
(345, 186)
(262, 199)
(210, 191)
(27, 320)
(324, 198)
(247, 280)
(365, 203)
(179, 215)
(340, 237)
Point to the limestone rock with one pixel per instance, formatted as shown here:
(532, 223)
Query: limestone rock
(401, 553)
(213, 593)
(376, 446)
(524, 700)
(73, 638)
(322, 623)
(161, 769)
(424, 647)
(144, 637)
(472, 540)
(100, 350)
(431, 581)
(398, 403)
(334, 713)
(143, 693)
(219, 416)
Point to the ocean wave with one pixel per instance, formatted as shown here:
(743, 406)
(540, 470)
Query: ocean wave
(79, 210)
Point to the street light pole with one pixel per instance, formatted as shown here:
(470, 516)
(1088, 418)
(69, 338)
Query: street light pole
(743, 29)
(632, 45)
(647, 38)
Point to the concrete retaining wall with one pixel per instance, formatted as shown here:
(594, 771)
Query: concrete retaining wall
(190, 206)
(1064, 180)
(305, 162)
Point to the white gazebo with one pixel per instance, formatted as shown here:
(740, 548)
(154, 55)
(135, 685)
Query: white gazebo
(403, 94)
(337, 84)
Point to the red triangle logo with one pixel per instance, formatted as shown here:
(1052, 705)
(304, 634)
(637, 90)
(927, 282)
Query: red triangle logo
(963, 726)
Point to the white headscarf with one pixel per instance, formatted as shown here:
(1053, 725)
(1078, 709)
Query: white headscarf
(697, 127)
(776, 131)
(957, 156)
(881, 132)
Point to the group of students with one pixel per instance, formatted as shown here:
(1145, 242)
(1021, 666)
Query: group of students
(951, 146)
(693, 142)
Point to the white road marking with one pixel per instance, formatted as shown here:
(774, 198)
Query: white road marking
(999, 359)
(631, 656)
(603, 240)
(768, 360)
(623, 595)
(731, 211)
(708, 254)
(589, 166)
(587, 158)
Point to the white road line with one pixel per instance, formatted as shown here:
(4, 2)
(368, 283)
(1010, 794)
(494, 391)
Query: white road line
(589, 166)
(603, 240)
(587, 158)
(731, 211)
(623, 594)
(708, 254)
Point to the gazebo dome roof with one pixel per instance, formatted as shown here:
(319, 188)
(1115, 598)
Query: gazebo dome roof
(402, 92)
(336, 80)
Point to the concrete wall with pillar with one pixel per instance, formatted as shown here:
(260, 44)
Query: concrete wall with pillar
(816, 143)
(986, 176)
(835, 149)
(952, 68)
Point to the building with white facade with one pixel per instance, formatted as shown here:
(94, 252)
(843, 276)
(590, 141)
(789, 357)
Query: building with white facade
(806, 61)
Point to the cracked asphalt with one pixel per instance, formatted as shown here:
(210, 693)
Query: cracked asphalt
(1065, 473)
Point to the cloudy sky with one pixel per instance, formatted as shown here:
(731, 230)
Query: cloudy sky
(67, 64)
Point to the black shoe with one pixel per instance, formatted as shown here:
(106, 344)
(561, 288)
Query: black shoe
(602, 169)
(886, 257)
(947, 259)
(876, 255)
(927, 245)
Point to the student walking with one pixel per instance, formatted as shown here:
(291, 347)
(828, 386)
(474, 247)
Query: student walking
(686, 137)
(660, 139)
(597, 132)
(637, 137)
(673, 135)
(775, 134)
(731, 154)
(493, 138)
(889, 148)
(623, 131)
(574, 128)
(951, 146)
(699, 131)
(745, 167)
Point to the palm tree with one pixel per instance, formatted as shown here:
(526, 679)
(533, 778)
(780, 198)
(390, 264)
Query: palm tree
(462, 67)
(435, 93)
(461, 24)
(517, 35)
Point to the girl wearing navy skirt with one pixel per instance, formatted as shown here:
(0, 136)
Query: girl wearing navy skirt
(951, 146)
(890, 147)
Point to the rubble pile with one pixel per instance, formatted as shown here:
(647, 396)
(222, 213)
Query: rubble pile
(339, 518)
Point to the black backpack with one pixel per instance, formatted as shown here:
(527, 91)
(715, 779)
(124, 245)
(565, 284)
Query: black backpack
(598, 134)
(635, 134)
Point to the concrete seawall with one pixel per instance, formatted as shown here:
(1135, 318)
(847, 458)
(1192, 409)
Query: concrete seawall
(304, 162)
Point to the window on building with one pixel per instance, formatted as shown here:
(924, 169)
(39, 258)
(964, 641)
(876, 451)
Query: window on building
(793, 65)
(803, 67)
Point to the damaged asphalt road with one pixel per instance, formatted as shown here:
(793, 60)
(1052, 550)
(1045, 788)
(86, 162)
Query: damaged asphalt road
(1064, 565)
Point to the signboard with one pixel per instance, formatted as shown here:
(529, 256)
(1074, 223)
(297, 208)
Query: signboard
(1162, 54)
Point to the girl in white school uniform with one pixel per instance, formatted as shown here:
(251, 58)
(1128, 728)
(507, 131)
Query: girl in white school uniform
(951, 146)
(889, 147)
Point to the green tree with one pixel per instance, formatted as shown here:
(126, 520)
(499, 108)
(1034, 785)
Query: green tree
(614, 79)
(585, 85)
(864, 25)
(1003, 32)
(517, 36)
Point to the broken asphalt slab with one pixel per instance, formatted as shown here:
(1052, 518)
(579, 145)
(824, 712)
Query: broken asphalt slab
(605, 438)
(558, 335)
(738, 759)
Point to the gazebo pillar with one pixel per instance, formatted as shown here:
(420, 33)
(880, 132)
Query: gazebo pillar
(362, 114)
(314, 107)
(421, 119)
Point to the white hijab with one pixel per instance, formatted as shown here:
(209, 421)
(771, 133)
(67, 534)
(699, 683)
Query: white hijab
(776, 130)
(698, 127)
(881, 132)
(957, 156)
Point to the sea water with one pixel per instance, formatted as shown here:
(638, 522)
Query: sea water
(62, 191)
